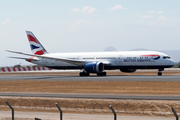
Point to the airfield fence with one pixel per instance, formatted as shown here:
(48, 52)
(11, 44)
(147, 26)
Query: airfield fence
(99, 106)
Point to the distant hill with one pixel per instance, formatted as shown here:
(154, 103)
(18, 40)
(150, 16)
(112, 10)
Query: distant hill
(110, 48)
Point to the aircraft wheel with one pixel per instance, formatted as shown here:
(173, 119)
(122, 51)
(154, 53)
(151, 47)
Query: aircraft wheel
(80, 74)
(101, 74)
(104, 73)
(159, 73)
(83, 74)
(87, 74)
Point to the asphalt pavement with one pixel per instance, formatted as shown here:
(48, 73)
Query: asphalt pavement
(93, 96)
(90, 78)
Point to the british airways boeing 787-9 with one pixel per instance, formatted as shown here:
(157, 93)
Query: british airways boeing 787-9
(96, 62)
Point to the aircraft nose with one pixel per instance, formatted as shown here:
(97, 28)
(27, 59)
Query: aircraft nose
(172, 63)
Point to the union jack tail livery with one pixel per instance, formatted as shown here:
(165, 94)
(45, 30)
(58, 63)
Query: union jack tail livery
(35, 45)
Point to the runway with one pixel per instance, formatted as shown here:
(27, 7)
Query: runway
(93, 96)
(90, 78)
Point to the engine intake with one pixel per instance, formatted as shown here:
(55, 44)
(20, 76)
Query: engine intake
(94, 67)
(128, 70)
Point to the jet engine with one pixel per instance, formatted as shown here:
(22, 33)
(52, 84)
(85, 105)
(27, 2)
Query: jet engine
(94, 67)
(128, 70)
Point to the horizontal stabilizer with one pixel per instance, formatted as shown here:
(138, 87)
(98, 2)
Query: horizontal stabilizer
(24, 58)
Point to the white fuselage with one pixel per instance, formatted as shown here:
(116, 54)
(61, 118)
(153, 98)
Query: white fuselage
(116, 60)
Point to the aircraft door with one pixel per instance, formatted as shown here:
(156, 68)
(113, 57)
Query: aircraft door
(79, 57)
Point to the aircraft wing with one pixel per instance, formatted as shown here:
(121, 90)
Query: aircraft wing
(75, 62)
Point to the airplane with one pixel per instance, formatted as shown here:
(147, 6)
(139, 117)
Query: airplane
(96, 62)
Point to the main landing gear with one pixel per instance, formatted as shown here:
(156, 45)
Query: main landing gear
(83, 74)
(87, 74)
(101, 74)
(160, 73)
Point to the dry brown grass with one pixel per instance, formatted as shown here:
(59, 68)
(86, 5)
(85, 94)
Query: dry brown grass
(97, 87)
(97, 106)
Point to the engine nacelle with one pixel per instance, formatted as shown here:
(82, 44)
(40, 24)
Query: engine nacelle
(94, 67)
(128, 70)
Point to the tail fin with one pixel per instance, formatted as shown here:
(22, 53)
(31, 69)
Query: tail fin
(35, 45)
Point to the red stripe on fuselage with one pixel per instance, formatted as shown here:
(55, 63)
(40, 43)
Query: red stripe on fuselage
(150, 55)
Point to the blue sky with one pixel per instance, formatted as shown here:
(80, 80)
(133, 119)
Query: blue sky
(88, 25)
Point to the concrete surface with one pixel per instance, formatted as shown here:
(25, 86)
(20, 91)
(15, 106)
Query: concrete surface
(67, 116)
(90, 78)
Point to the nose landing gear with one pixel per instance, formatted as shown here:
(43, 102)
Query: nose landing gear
(160, 73)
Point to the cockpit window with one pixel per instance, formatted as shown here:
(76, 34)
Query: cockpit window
(166, 57)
